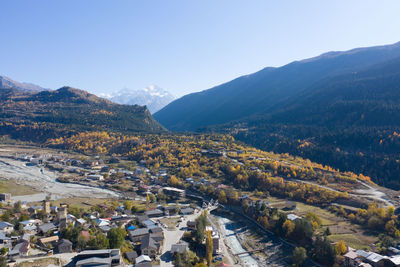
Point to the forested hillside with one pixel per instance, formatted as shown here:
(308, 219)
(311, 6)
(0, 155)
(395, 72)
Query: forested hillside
(340, 109)
(48, 114)
(351, 122)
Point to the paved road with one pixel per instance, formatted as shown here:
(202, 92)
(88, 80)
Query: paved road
(172, 237)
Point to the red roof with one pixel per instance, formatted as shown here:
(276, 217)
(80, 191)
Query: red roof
(223, 265)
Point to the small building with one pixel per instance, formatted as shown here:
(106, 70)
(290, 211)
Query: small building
(95, 177)
(6, 227)
(293, 217)
(350, 258)
(191, 225)
(49, 241)
(5, 197)
(47, 227)
(143, 258)
(187, 211)
(180, 248)
(131, 256)
(174, 192)
(154, 213)
(101, 257)
(63, 246)
(20, 249)
(138, 234)
(149, 247)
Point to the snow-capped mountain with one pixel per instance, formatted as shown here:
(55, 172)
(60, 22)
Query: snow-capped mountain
(154, 97)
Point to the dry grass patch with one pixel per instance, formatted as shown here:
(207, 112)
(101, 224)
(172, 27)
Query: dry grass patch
(40, 262)
(16, 189)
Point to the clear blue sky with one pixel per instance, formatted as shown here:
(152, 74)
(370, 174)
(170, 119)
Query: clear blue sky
(182, 46)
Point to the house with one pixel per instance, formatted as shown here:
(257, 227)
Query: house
(6, 227)
(6, 197)
(4, 239)
(149, 246)
(49, 241)
(81, 222)
(191, 225)
(351, 258)
(154, 213)
(35, 209)
(20, 249)
(47, 227)
(142, 218)
(95, 177)
(293, 217)
(144, 264)
(63, 246)
(174, 192)
(148, 223)
(223, 265)
(28, 222)
(102, 222)
(187, 211)
(155, 229)
(143, 258)
(30, 229)
(215, 238)
(138, 234)
(170, 210)
(131, 256)
(101, 257)
(179, 248)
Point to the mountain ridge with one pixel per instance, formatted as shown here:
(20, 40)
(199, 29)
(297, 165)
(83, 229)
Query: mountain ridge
(230, 101)
(8, 83)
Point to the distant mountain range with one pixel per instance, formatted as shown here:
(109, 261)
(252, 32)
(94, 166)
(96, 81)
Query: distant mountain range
(154, 97)
(7, 83)
(341, 109)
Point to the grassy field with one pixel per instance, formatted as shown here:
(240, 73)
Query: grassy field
(341, 228)
(9, 186)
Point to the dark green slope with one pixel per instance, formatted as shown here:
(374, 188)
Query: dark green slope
(266, 90)
(47, 114)
(351, 122)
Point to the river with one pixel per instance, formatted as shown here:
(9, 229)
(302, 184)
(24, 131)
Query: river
(229, 229)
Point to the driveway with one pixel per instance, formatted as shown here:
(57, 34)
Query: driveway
(172, 237)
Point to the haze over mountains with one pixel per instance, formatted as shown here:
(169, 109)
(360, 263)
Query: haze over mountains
(7, 83)
(340, 108)
(154, 97)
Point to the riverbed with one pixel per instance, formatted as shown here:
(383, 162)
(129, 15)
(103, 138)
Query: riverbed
(228, 229)
(45, 182)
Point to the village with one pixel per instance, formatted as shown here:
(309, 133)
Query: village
(37, 233)
(153, 219)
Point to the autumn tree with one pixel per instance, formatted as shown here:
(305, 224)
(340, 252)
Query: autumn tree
(288, 227)
(299, 256)
(222, 197)
(340, 247)
(209, 248)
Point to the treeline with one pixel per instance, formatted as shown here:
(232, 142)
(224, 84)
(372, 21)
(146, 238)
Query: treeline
(244, 167)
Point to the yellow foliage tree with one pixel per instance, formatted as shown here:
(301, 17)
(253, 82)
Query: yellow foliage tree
(341, 247)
